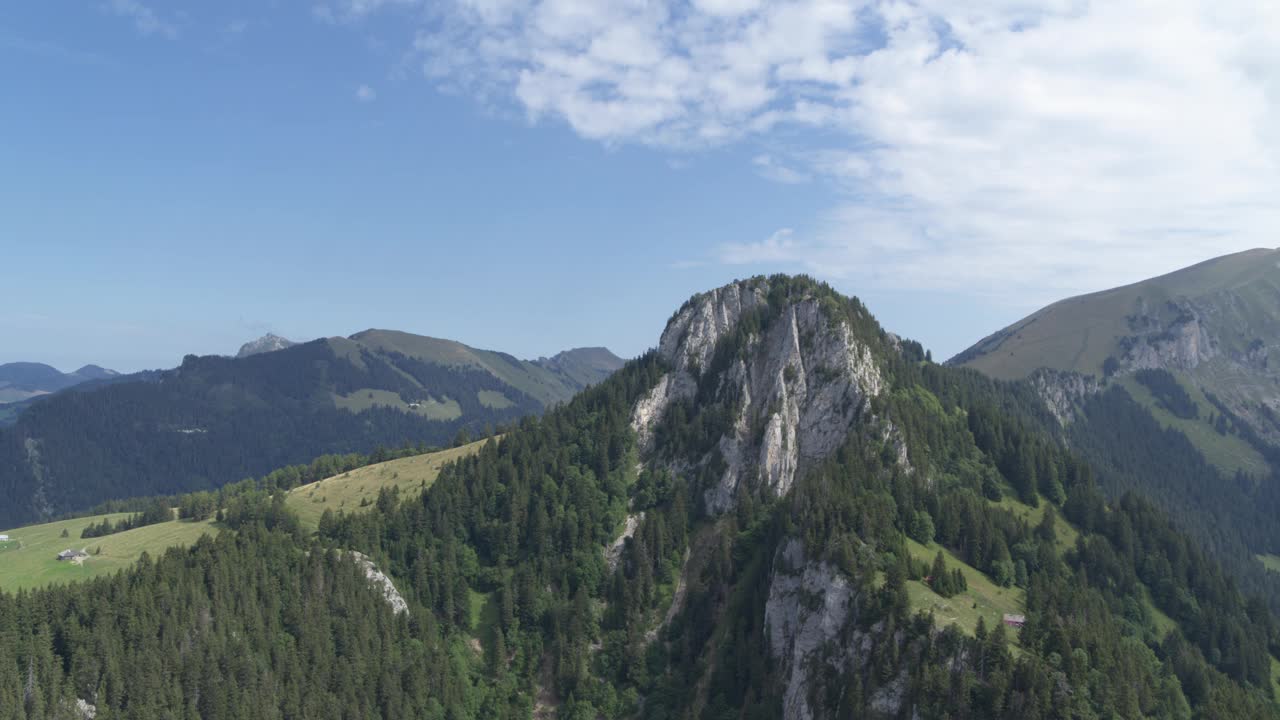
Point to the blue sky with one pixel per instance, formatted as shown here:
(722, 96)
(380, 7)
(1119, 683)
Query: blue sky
(531, 176)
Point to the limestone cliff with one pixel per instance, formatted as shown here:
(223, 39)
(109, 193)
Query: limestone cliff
(794, 387)
(788, 376)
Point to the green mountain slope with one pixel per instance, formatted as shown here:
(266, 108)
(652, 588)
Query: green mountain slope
(1183, 402)
(215, 420)
(1234, 299)
(1214, 325)
(356, 490)
(29, 558)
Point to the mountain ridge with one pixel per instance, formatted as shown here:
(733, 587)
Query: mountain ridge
(20, 381)
(1213, 324)
(214, 420)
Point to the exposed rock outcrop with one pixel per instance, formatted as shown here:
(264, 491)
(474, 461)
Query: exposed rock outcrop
(613, 553)
(1064, 393)
(798, 385)
(265, 344)
(381, 582)
(1180, 343)
(810, 603)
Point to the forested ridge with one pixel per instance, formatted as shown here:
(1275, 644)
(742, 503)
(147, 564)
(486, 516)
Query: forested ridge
(1232, 517)
(216, 420)
(515, 606)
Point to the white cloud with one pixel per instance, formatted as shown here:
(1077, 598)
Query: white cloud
(347, 11)
(145, 20)
(778, 247)
(769, 167)
(366, 94)
(1030, 148)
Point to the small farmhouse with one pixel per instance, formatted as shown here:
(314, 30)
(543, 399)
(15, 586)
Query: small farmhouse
(66, 555)
(4, 538)
(1016, 621)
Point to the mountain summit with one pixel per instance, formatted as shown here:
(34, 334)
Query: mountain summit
(265, 344)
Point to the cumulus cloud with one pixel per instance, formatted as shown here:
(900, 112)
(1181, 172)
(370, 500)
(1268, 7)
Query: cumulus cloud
(366, 94)
(145, 20)
(1030, 148)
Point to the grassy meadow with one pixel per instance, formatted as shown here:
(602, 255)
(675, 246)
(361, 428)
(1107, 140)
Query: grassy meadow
(29, 558)
(357, 490)
(984, 599)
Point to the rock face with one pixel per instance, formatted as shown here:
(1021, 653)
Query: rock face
(785, 377)
(613, 553)
(1181, 342)
(267, 343)
(1064, 392)
(381, 582)
(797, 386)
(810, 604)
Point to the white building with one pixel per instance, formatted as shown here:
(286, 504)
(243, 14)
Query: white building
(3, 538)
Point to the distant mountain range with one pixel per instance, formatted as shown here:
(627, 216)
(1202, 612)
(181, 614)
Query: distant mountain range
(214, 420)
(23, 380)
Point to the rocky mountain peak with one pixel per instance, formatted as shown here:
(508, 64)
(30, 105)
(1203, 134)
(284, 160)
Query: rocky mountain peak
(691, 336)
(267, 343)
(780, 368)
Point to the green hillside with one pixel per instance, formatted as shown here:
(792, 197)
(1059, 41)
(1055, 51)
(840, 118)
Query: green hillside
(1187, 403)
(1226, 451)
(357, 490)
(1213, 325)
(984, 599)
(29, 558)
(548, 381)
(216, 420)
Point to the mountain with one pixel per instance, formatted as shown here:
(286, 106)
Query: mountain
(1213, 326)
(267, 343)
(583, 366)
(547, 381)
(1166, 385)
(783, 511)
(215, 420)
(24, 380)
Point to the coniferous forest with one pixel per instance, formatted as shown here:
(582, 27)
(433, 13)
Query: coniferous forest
(520, 604)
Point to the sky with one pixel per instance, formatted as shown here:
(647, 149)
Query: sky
(533, 175)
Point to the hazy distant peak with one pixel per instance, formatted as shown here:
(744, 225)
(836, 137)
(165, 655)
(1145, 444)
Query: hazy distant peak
(24, 380)
(267, 343)
(95, 372)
